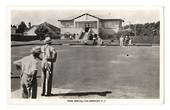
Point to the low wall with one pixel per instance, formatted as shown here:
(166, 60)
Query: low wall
(23, 38)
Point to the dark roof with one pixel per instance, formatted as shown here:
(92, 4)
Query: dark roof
(50, 27)
(46, 25)
(91, 16)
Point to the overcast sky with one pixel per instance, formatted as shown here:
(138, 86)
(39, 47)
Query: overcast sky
(51, 16)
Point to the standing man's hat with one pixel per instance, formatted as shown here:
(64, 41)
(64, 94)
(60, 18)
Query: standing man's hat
(47, 40)
(36, 49)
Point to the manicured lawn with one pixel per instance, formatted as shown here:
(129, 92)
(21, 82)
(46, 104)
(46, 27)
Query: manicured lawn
(94, 68)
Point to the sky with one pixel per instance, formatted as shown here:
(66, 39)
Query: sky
(129, 15)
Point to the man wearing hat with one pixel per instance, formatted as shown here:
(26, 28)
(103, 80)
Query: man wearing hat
(28, 66)
(49, 56)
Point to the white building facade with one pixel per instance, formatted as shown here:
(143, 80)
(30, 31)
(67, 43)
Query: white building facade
(87, 21)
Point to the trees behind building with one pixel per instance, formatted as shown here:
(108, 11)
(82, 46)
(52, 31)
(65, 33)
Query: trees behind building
(147, 29)
(146, 33)
(142, 33)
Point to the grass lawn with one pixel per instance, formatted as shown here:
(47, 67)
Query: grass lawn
(93, 68)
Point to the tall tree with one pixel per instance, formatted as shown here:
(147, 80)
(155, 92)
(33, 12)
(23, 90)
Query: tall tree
(41, 31)
(21, 27)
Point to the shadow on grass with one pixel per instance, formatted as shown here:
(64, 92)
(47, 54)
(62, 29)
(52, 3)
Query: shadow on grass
(103, 93)
(18, 77)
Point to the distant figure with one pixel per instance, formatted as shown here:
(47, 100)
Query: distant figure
(73, 37)
(99, 40)
(94, 40)
(77, 36)
(127, 38)
(70, 37)
(121, 41)
(130, 42)
(28, 66)
(49, 56)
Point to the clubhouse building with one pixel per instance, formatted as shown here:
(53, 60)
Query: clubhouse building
(87, 23)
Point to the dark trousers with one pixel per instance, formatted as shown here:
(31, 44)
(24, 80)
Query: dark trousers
(46, 82)
(28, 86)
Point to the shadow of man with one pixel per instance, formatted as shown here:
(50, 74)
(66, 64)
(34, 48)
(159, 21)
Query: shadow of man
(103, 93)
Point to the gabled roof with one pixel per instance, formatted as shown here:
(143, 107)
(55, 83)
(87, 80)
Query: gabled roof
(79, 16)
(52, 27)
(49, 27)
(86, 14)
(91, 16)
(33, 26)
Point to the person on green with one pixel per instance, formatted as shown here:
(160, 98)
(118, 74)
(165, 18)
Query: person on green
(29, 67)
(49, 56)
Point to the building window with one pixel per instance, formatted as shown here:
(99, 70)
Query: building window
(94, 25)
(86, 24)
(67, 24)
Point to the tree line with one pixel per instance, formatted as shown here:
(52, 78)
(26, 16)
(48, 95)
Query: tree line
(141, 33)
(147, 29)
(22, 27)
